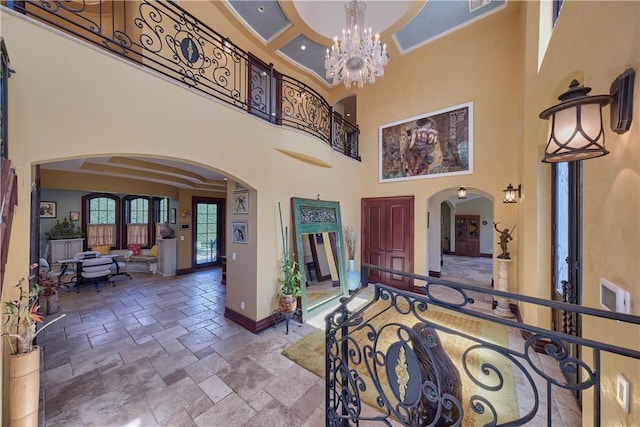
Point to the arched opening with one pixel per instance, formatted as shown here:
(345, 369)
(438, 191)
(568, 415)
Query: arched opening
(460, 236)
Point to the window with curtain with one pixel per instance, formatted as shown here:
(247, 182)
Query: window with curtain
(101, 219)
(118, 221)
(137, 220)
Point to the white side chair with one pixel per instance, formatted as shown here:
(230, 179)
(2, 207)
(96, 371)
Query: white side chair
(94, 271)
(119, 266)
(64, 275)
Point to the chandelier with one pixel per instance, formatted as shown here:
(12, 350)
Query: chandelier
(357, 57)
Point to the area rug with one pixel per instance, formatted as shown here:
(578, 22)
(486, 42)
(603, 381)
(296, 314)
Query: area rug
(310, 354)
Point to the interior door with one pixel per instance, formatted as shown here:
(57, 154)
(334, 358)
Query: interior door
(387, 238)
(208, 226)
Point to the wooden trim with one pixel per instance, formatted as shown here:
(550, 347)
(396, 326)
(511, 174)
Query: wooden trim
(434, 273)
(185, 271)
(252, 325)
(485, 255)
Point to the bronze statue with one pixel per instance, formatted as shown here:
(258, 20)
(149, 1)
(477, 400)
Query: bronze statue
(505, 238)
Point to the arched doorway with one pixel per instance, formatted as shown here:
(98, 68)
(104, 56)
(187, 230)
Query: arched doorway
(451, 220)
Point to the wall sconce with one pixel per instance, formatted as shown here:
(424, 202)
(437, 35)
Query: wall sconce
(511, 194)
(575, 124)
(462, 193)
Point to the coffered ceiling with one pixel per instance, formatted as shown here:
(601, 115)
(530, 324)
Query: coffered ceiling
(302, 30)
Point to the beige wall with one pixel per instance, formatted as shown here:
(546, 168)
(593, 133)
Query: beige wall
(479, 64)
(593, 42)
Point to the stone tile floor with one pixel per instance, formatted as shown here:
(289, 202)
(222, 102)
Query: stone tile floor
(157, 351)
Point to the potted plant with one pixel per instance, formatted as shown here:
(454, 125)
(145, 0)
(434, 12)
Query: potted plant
(289, 280)
(290, 276)
(49, 294)
(351, 242)
(64, 230)
(20, 318)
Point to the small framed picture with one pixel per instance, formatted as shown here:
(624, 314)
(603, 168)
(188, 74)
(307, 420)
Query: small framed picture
(48, 210)
(241, 203)
(239, 232)
(172, 215)
(74, 216)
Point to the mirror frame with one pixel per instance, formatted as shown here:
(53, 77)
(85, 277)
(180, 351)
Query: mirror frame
(312, 217)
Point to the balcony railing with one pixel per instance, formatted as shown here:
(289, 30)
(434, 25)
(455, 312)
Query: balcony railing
(164, 37)
(345, 136)
(432, 359)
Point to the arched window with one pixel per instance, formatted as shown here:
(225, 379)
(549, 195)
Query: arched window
(138, 220)
(100, 219)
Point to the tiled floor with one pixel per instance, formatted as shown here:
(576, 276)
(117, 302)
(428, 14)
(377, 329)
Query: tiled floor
(158, 352)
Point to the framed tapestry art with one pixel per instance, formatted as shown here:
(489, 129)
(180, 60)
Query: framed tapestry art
(435, 144)
(241, 203)
(48, 210)
(239, 232)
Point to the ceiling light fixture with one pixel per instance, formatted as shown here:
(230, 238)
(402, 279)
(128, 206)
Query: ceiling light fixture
(357, 57)
(462, 193)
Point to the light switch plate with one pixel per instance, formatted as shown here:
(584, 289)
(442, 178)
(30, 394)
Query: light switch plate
(622, 392)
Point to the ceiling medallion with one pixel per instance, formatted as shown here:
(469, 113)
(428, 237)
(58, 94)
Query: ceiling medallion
(357, 57)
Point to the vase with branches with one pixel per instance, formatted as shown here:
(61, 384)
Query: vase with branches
(351, 242)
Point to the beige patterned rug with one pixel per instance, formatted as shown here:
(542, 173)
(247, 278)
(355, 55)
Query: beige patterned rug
(309, 353)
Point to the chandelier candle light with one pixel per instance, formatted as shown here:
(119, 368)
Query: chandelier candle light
(357, 57)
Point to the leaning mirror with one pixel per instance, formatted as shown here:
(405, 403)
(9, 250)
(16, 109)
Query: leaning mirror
(317, 228)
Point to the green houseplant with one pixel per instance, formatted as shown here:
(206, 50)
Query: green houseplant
(64, 230)
(20, 318)
(290, 276)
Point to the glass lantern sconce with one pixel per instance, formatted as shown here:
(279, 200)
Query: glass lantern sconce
(462, 193)
(575, 124)
(512, 194)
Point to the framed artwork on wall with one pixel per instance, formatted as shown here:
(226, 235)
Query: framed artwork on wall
(241, 203)
(239, 232)
(74, 216)
(435, 144)
(48, 209)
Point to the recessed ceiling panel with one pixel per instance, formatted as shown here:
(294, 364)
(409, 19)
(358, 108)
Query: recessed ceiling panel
(311, 57)
(438, 18)
(264, 17)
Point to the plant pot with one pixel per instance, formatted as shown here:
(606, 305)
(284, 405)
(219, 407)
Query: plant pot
(353, 276)
(53, 303)
(24, 388)
(287, 304)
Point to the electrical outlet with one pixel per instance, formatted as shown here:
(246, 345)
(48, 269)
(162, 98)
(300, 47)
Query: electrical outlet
(242, 305)
(622, 392)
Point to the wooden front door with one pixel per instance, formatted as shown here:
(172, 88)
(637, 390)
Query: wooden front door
(387, 238)
(468, 235)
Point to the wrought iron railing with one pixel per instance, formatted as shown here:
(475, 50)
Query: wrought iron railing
(407, 354)
(164, 37)
(345, 136)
